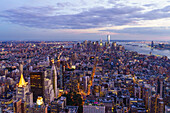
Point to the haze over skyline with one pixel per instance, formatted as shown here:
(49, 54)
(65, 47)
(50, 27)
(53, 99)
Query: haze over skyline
(84, 19)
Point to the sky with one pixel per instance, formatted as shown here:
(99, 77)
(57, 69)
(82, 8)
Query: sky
(67, 20)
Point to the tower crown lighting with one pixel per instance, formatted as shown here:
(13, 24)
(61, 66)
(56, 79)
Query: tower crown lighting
(22, 81)
(39, 100)
(52, 61)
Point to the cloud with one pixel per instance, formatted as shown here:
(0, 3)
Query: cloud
(47, 17)
(93, 18)
(31, 11)
(166, 9)
(64, 4)
(83, 2)
(149, 5)
(163, 31)
(153, 14)
(113, 1)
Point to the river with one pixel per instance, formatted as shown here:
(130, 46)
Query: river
(144, 49)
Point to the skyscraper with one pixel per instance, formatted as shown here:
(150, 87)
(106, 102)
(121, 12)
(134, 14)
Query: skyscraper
(22, 88)
(37, 84)
(153, 106)
(85, 43)
(29, 99)
(85, 78)
(160, 105)
(49, 91)
(160, 87)
(114, 45)
(108, 39)
(58, 104)
(40, 106)
(48, 60)
(101, 43)
(19, 106)
(152, 44)
(21, 68)
(54, 78)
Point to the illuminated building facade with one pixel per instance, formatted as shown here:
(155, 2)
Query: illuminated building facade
(108, 39)
(22, 88)
(101, 43)
(49, 92)
(114, 45)
(39, 107)
(37, 84)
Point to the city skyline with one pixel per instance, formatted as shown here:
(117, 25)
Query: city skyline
(83, 77)
(80, 20)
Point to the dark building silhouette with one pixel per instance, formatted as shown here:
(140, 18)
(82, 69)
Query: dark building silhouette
(160, 87)
(152, 44)
(37, 84)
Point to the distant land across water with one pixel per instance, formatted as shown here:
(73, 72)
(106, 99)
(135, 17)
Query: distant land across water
(140, 46)
(143, 48)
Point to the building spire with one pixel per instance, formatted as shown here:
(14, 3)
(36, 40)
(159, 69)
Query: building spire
(21, 81)
(54, 77)
(52, 61)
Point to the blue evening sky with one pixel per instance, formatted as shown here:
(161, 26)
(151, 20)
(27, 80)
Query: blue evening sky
(84, 19)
